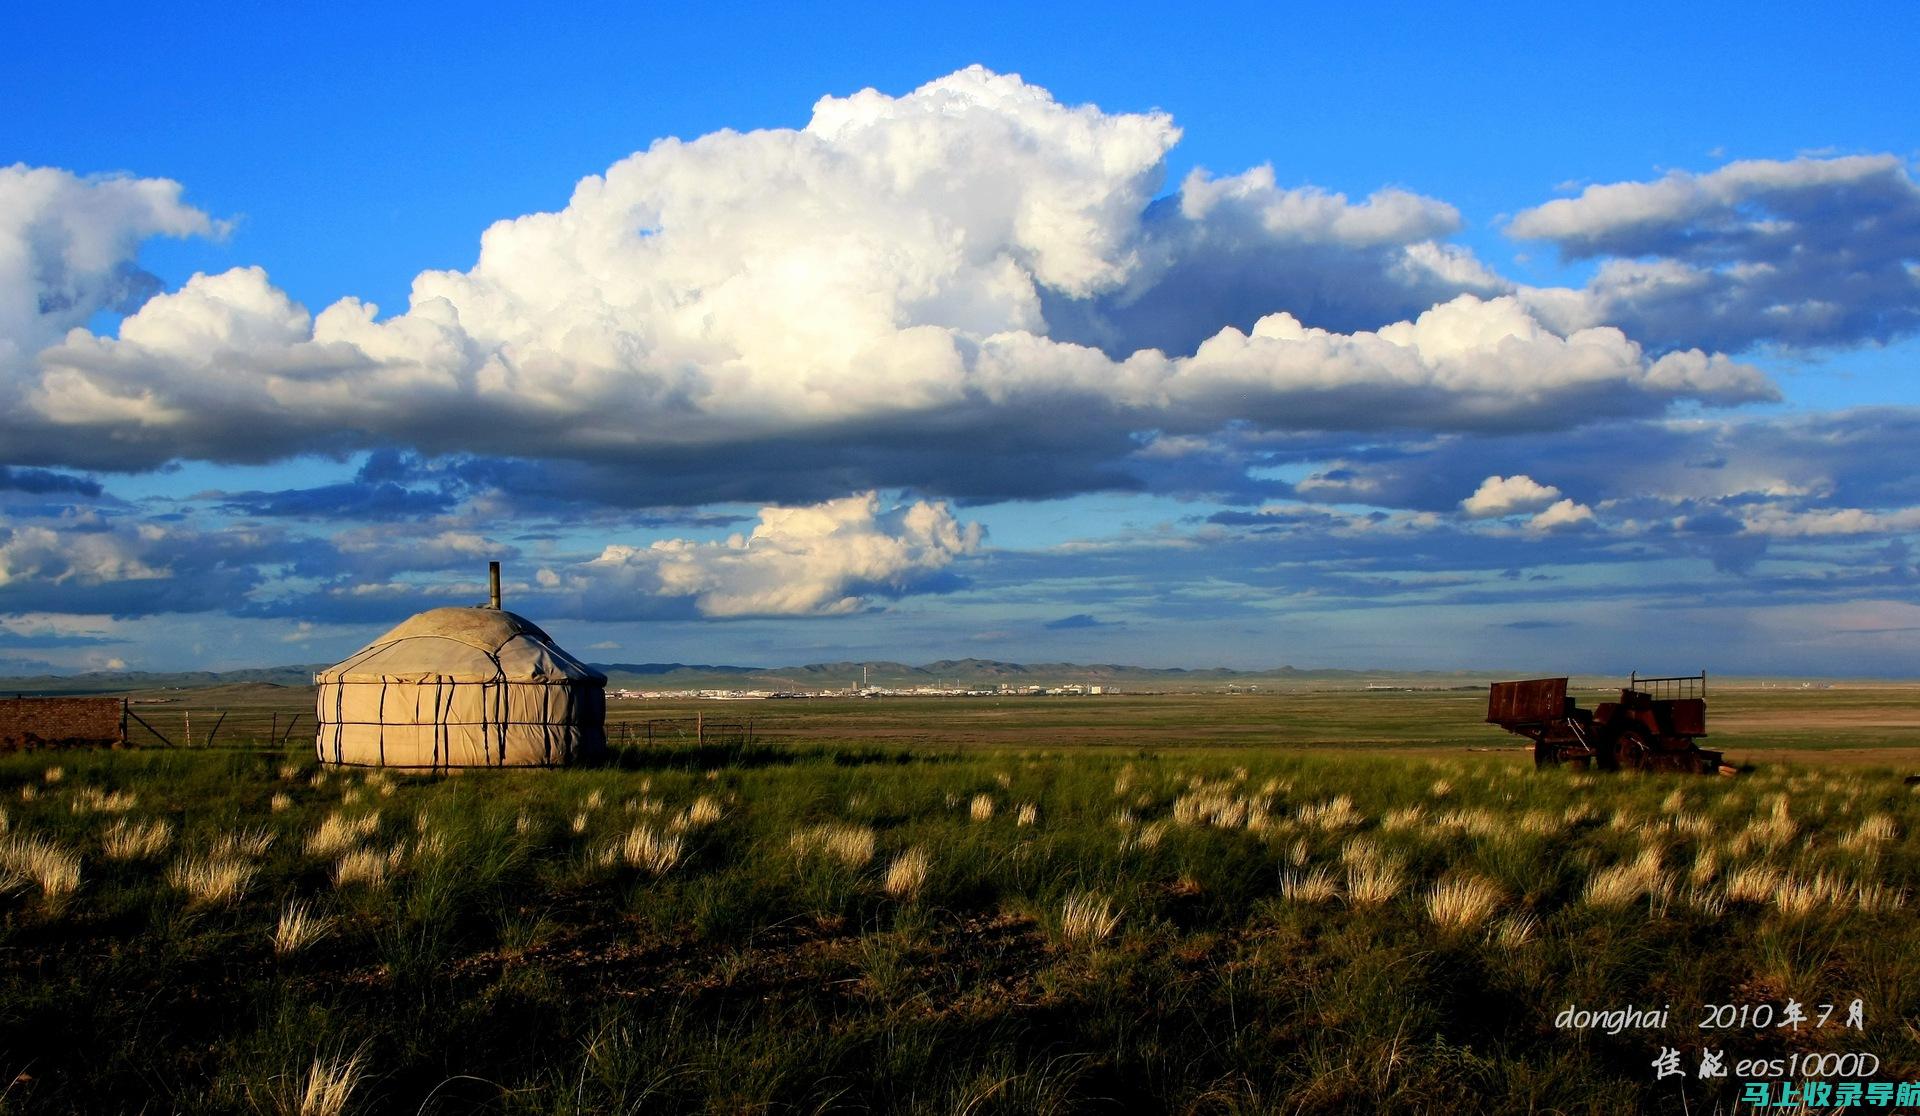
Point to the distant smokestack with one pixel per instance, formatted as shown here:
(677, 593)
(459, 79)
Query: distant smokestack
(493, 585)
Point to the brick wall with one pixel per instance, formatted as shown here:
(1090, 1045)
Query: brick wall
(33, 722)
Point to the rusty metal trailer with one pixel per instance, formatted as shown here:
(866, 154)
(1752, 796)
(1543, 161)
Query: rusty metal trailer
(1653, 727)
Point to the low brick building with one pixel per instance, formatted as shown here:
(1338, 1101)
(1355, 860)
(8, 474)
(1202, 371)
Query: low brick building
(61, 721)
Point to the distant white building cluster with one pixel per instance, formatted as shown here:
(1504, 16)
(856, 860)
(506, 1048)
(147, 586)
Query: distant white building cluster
(863, 690)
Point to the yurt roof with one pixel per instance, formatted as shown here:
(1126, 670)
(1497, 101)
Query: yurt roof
(462, 645)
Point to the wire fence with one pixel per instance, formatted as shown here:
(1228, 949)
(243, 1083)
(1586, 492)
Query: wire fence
(696, 730)
(176, 727)
(171, 727)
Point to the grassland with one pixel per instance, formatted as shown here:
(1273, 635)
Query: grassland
(1296, 903)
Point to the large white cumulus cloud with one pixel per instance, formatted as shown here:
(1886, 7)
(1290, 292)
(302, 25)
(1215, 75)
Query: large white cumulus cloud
(68, 247)
(822, 560)
(957, 289)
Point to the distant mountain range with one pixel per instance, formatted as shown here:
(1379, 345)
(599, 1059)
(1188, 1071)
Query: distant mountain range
(968, 673)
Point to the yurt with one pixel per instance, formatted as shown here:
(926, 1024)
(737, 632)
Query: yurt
(461, 687)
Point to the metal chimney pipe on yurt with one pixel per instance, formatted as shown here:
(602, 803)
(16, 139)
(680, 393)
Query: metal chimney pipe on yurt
(493, 585)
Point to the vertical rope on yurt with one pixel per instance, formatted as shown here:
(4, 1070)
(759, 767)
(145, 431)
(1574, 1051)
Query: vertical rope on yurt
(383, 720)
(500, 680)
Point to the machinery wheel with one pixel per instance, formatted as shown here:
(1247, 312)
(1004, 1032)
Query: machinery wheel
(1634, 753)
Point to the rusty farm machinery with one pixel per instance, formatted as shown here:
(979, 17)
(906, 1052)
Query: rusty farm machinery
(1651, 728)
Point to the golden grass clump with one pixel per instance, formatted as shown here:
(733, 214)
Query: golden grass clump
(29, 792)
(1462, 902)
(1540, 823)
(1753, 883)
(431, 845)
(1028, 814)
(1086, 917)
(249, 843)
(1335, 813)
(851, 845)
(1404, 817)
(1475, 822)
(1373, 881)
(328, 1086)
(1150, 835)
(45, 864)
(1705, 899)
(1516, 930)
(131, 840)
(211, 881)
(981, 808)
(365, 867)
(1212, 804)
(289, 772)
(705, 811)
(1312, 886)
(580, 823)
(1875, 831)
(338, 832)
(280, 801)
(1614, 887)
(53, 775)
(93, 800)
(652, 851)
(299, 927)
(1800, 896)
(1774, 833)
(907, 874)
(1440, 788)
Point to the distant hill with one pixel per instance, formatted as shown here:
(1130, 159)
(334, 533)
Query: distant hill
(845, 674)
(989, 673)
(968, 673)
(117, 681)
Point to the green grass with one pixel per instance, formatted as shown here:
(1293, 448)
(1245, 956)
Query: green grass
(499, 949)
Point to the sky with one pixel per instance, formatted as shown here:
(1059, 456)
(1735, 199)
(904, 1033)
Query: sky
(1332, 336)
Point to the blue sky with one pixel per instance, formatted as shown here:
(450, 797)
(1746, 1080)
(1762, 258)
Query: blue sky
(1518, 338)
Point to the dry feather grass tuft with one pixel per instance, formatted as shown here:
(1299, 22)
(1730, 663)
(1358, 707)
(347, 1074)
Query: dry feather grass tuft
(1314, 886)
(646, 849)
(211, 881)
(299, 927)
(131, 840)
(338, 832)
(51, 867)
(1086, 917)
(1462, 903)
(367, 867)
(907, 874)
(326, 1088)
(250, 843)
(851, 845)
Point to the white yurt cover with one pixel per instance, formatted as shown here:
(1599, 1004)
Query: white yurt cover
(461, 687)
